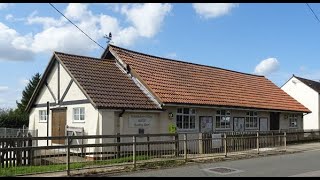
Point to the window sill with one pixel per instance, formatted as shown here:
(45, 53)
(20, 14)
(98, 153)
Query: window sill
(255, 128)
(42, 121)
(222, 129)
(187, 130)
(75, 121)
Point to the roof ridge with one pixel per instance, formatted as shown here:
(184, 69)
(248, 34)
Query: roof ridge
(57, 52)
(180, 61)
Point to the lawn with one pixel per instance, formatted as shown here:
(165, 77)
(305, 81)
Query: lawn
(20, 170)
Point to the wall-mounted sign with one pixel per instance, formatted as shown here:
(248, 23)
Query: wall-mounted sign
(140, 120)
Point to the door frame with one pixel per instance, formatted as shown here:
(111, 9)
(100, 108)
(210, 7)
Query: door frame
(268, 125)
(64, 109)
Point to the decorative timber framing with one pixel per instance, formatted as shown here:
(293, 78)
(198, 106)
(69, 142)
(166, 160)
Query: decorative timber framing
(66, 91)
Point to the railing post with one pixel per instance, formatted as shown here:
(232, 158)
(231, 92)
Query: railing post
(285, 141)
(201, 144)
(118, 145)
(225, 144)
(258, 151)
(134, 152)
(176, 146)
(185, 147)
(68, 156)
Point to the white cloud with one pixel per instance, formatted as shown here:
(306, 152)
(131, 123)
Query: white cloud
(9, 17)
(147, 18)
(3, 5)
(4, 88)
(213, 10)
(267, 66)
(13, 46)
(58, 34)
(23, 82)
(172, 55)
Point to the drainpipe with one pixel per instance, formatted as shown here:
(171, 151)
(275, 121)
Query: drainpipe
(121, 120)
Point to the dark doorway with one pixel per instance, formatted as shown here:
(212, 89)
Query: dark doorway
(274, 120)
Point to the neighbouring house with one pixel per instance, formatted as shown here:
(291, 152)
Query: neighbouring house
(306, 92)
(129, 92)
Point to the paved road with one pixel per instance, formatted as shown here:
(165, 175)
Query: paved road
(297, 164)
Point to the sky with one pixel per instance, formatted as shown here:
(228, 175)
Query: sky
(273, 39)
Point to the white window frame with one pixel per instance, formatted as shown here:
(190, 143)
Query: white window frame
(251, 118)
(77, 117)
(190, 117)
(293, 119)
(223, 115)
(43, 116)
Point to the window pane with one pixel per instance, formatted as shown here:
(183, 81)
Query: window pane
(76, 111)
(179, 121)
(185, 110)
(228, 113)
(223, 112)
(217, 121)
(179, 110)
(81, 110)
(186, 122)
(218, 112)
(227, 122)
(193, 111)
(192, 122)
(82, 117)
(251, 113)
(75, 117)
(248, 114)
(255, 113)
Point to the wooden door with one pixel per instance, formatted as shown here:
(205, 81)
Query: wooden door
(59, 117)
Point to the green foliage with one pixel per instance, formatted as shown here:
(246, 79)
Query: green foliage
(27, 92)
(16, 118)
(10, 118)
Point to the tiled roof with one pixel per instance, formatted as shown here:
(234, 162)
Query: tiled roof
(312, 84)
(187, 83)
(105, 83)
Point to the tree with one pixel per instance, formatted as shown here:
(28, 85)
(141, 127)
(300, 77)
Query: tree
(19, 116)
(27, 93)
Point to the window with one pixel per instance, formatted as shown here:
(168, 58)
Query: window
(186, 118)
(43, 115)
(223, 119)
(293, 119)
(252, 119)
(78, 114)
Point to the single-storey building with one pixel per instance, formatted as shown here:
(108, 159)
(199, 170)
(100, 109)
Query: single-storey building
(306, 92)
(129, 92)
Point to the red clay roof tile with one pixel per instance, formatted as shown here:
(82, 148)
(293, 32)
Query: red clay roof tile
(187, 83)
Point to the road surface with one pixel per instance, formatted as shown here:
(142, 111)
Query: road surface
(297, 164)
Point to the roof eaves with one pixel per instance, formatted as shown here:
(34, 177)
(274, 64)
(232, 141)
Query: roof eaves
(39, 85)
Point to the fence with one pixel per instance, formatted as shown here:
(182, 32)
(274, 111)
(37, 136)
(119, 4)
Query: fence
(12, 132)
(131, 150)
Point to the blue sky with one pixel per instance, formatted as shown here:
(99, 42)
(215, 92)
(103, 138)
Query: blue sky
(275, 40)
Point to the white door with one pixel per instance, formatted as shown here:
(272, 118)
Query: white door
(205, 124)
(238, 124)
(263, 124)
